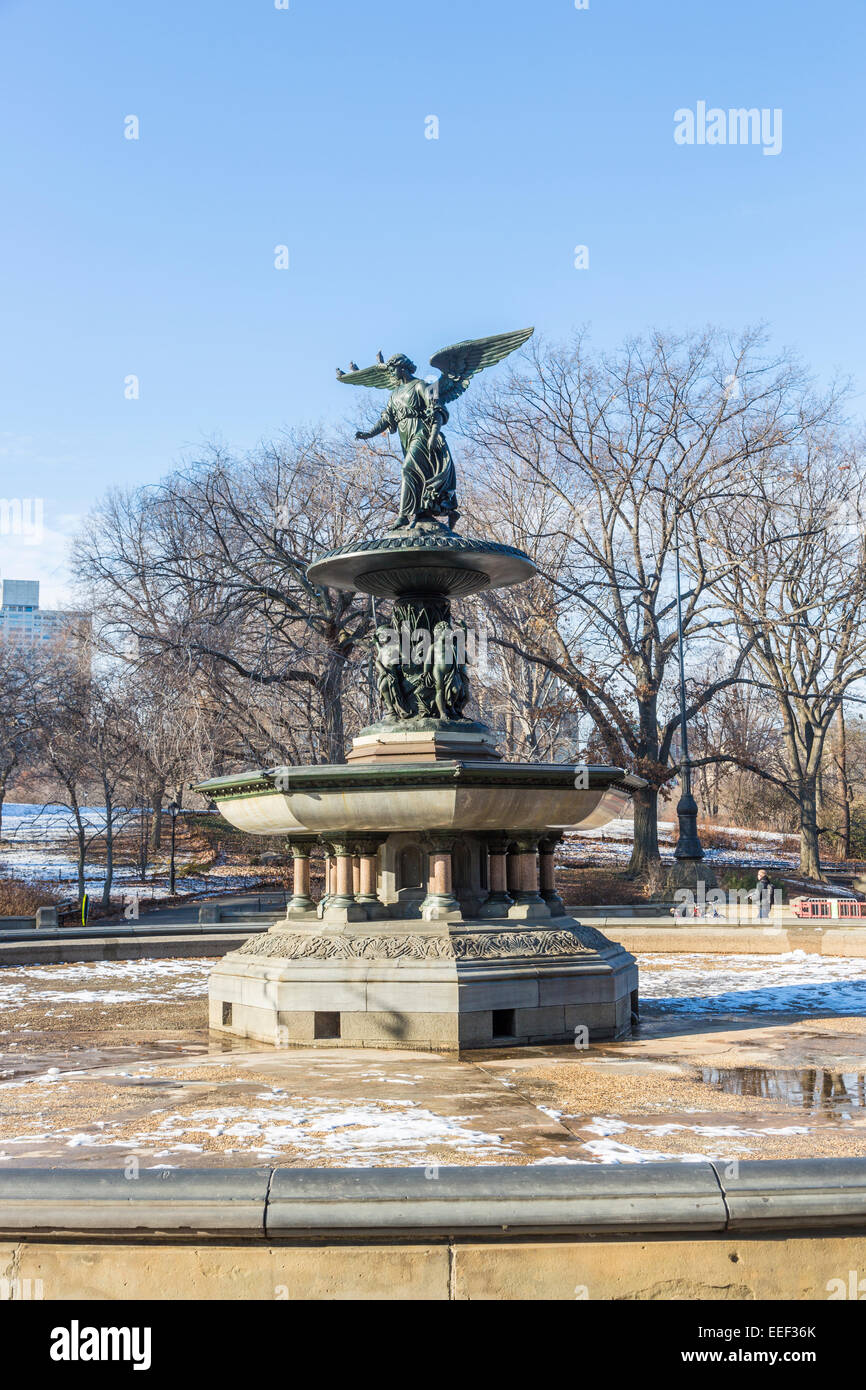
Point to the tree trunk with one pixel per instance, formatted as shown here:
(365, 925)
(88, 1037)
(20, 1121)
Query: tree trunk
(109, 851)
(157, 797)
(80, 839)
(331, 691)
(82, 856)
(8, 770)
(645, 850)
(810, 858)
(842, 764)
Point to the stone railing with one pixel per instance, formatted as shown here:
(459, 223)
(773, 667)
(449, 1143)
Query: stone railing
(576, 1199)
(776, 1229)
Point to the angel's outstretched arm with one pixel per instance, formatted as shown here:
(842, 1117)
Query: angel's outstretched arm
(384, 425)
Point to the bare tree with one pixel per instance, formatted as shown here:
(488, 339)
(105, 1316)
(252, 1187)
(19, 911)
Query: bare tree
(736, 728)
(60, 712)
(792, 572)
(210, 565)
(631, 445)
(20, 670)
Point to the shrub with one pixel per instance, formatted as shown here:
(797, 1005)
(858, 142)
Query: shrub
(21, 899)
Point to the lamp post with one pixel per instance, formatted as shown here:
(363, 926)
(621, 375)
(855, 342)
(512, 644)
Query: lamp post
(172, 809)
(689, 850)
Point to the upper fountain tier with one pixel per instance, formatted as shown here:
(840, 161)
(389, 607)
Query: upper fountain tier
(422, 556)
(424, 561)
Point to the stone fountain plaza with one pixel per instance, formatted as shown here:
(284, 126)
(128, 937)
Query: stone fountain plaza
(437, 1010)
(440, 960)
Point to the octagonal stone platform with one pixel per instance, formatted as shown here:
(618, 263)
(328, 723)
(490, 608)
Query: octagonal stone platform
(442, 986)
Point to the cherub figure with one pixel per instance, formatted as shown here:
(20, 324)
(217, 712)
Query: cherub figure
(389, 677)
(446, 671)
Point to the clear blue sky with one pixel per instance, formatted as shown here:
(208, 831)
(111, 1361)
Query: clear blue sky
(306, 127)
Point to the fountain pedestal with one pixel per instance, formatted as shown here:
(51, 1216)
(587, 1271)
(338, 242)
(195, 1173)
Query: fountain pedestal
(428, 985)
(440, 926)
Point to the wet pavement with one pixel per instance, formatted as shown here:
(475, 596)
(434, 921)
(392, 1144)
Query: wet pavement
(734, 1057)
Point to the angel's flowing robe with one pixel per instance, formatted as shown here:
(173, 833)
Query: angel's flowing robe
(429, 479)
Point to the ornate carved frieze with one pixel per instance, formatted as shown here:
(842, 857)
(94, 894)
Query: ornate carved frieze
(470, 945)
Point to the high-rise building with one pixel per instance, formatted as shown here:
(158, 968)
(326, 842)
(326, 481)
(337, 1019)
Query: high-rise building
(22, 620)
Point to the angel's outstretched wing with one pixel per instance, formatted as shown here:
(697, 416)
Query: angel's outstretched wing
(377, 375)
(460, 363)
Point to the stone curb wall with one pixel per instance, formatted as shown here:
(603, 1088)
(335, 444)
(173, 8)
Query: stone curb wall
(500, 1203)
(67, 948)
(750, 940)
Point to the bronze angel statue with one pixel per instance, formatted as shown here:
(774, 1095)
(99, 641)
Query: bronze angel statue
(417, 410)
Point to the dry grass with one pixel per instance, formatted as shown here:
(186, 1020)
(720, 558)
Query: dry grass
(588, 887)
(713, 836)
(20, 899)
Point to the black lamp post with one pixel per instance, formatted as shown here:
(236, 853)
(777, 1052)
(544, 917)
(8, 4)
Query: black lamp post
(172, 809)
(688, 841)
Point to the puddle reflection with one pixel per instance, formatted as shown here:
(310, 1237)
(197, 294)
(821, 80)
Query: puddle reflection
(814, 1089)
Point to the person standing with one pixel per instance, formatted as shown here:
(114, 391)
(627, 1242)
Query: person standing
(765, 893)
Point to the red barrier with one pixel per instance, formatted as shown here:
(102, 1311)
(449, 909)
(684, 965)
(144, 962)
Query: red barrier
(824, 907)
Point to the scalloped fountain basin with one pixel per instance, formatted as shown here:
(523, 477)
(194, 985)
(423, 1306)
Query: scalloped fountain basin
(422, 796)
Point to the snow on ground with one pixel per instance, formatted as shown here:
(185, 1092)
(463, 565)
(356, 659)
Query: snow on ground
(354, 1133)
(609, 1149)
(612, 845)
(710, 986)
(35, 848)
(105, 982)
(623, 829)
(366, 1132)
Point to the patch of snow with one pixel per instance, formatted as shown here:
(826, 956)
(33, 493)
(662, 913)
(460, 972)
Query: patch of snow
(710, 986)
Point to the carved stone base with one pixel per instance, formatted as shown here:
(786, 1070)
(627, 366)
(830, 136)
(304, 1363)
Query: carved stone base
(376, 911)
(555, 905)
(529, 911)
(430, 985)
(300, 906)
(441, 907)
(343, 913)
(423, 741)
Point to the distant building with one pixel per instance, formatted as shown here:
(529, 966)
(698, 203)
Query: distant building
(22, 620)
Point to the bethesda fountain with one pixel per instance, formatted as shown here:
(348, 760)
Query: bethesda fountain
(440, 925)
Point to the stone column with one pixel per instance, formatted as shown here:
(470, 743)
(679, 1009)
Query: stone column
(300, 904)
(328, 884)
(512, 870)
(547, 875)
(529, 906)
(498, 900)
(356, 873)
(341, 906)
(440, 904)
(368, 875)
